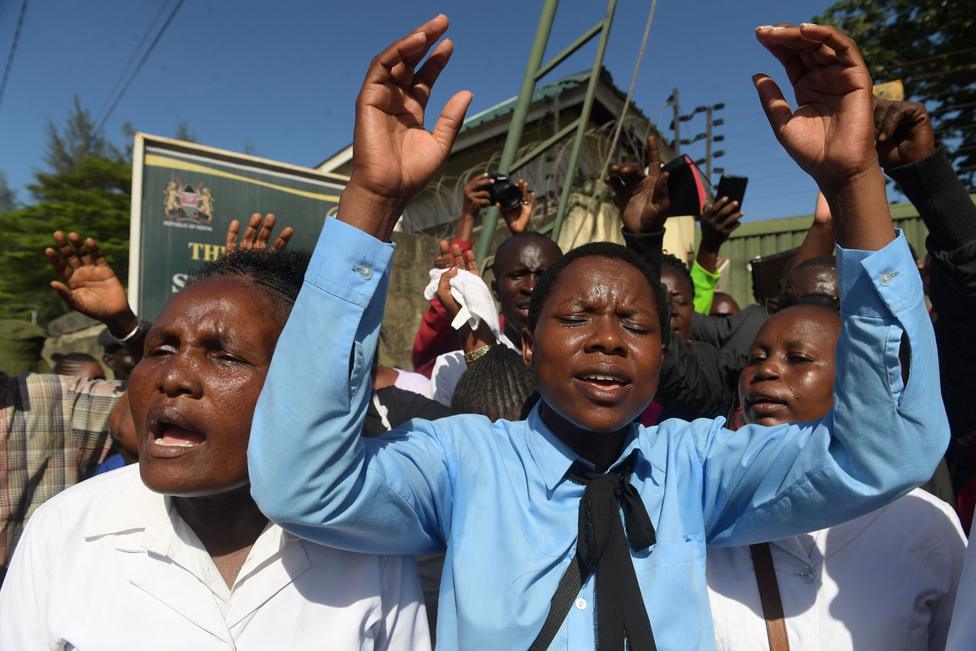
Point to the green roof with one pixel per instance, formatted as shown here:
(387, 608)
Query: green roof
(553, 89)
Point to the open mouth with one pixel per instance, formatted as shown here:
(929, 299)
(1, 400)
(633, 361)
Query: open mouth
(603, 386)
(604, 380)
(170, 436)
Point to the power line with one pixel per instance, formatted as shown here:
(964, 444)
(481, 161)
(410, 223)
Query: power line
(132, 58)
(942, 55)
(13, 49)
(142, 61)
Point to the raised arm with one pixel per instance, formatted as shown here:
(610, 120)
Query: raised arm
(819, 240)
(89, 285)
(310, 470)
(887, 429)
(719, 219)
(907, 150)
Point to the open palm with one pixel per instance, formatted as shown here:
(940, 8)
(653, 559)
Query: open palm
(88, 284)
(831, 133)
(395, 156)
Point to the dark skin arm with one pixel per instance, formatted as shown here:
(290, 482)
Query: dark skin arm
(642, 199)
(831, 133)
(470, 339)
(89, 285)
(904, 132)
(718, 220)
(257, 234)
(395, 155)
(819, 240)
(476, 198)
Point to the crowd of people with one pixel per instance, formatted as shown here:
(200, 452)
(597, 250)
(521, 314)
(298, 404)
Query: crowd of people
(596, 449)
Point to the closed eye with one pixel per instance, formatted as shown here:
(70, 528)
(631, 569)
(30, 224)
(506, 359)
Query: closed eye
(798, 358)
(572, 319)
(638, 328)
(162, 349)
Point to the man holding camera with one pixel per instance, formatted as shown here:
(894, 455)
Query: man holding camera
(515, 272)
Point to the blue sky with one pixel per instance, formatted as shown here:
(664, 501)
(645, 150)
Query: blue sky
(282, 77)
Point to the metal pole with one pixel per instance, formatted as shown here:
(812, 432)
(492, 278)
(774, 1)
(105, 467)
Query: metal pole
(584, 119)
(708, 144)
(489, 218)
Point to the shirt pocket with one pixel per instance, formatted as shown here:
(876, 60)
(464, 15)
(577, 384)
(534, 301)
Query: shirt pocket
(670, 553)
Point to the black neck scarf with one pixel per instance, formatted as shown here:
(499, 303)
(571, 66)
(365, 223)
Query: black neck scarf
(602, 547)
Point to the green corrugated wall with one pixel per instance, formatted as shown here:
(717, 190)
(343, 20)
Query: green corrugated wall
(756, 239)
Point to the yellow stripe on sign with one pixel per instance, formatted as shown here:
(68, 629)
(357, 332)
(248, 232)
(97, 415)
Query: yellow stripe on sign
(155, 160)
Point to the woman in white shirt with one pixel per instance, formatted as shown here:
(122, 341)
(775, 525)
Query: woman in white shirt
(886, 580)
(174, 553)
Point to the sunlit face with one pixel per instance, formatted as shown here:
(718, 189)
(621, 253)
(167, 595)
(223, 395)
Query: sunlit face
(682, 301)
(193, 394)
(790, 374)
(596, 348)
(518, 265)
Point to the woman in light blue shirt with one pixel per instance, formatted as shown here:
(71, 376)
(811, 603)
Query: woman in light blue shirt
(536, 532)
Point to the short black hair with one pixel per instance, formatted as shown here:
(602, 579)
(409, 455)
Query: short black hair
(496, 385)
(548, 280)
(677, 265)
(280, 273)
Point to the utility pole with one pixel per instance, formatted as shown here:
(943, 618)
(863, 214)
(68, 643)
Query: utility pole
(675, 121)
(708, 136)
(708, 143)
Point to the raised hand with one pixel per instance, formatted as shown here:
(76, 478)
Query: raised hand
(643, 200)
(394, 155)
(517, 218)
(452, 256)
(831, 132)
(257, 234)
(476, 196)
(457, 261)
(719, 218)
(89, 284)
(903, 131)
(470, 340)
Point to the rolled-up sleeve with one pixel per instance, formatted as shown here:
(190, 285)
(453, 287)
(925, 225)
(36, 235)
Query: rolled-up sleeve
(883, 436)
(310, 470)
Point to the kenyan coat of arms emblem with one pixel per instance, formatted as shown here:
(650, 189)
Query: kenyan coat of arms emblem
(187, 206)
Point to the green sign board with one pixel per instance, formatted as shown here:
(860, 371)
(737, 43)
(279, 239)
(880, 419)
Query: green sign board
(184, 197)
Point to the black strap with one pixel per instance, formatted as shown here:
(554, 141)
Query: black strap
(603, 547)
(562, 600)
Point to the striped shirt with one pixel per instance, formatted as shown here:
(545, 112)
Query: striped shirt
(53, 433)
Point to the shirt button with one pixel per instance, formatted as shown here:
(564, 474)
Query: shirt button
(886, 278)
(581, 604)
(363, 270)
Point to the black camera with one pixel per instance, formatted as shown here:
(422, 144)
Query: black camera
(504, 192)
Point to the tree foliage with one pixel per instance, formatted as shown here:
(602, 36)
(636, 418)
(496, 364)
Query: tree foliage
(8, 198)
(86, 190)
(929, 45)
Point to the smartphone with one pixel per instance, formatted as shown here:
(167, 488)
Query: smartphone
(733, 187)
(686, 186)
